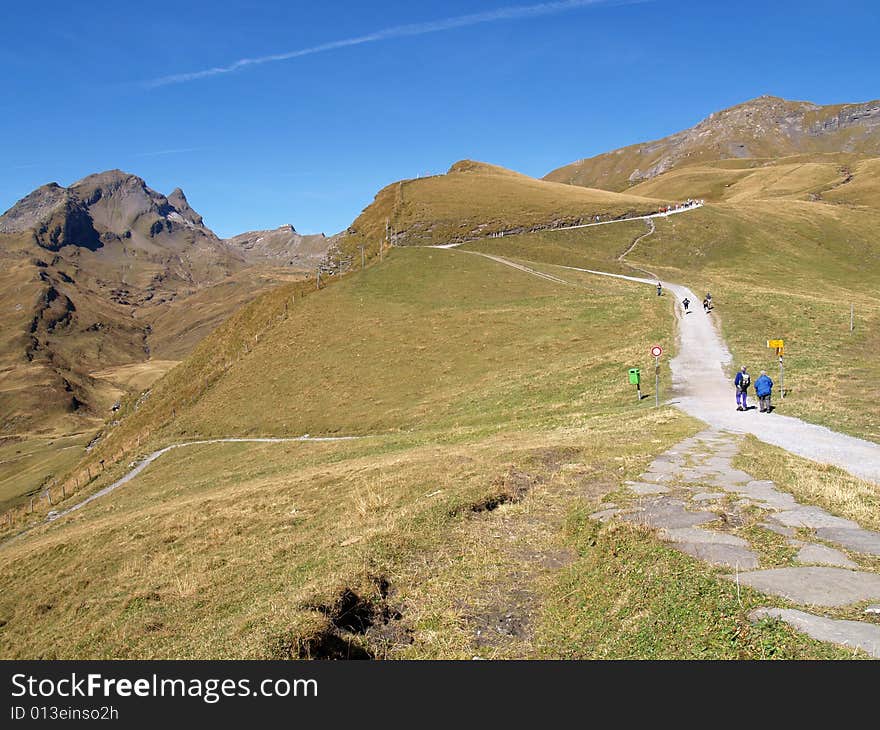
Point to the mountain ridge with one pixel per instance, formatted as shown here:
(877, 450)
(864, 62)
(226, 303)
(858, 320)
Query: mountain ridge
(105, 273)
(764, 127)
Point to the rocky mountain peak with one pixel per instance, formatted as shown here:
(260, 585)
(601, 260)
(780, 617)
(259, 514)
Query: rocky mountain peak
(178, 201)
(105, 206)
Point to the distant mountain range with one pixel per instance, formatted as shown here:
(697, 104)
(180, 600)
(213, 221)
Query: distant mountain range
(90, 273)
(766, 127)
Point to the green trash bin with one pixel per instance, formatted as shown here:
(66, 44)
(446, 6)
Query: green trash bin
(635, 376)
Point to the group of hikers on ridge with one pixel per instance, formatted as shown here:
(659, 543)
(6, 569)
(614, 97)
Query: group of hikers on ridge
(763, 389)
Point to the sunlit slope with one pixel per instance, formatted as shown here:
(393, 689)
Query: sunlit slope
(502, 413)
(428, 339)
(830, 178)
(860, 187)
(765, 128)
(792, 270)
(475, 200)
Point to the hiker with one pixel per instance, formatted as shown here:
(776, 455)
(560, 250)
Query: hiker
(686, 303)
(763, 389)
(706, 305)
(659, 289)
(742, 382)
(709, 298)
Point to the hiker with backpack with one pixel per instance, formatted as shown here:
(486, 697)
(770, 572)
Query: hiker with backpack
(763, 389)
(741, 382)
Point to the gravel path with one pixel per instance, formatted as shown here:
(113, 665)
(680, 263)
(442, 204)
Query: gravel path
(703, 390)
(650, 218)
(147, 460)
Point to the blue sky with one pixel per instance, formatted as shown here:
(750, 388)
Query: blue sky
(308, 140)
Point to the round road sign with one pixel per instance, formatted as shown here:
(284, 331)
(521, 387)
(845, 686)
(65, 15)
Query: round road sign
(656, 351)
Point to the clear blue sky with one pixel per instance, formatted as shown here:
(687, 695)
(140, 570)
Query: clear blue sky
(308, 140)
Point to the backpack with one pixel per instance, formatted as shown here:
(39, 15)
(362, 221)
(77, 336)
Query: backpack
(745, 382)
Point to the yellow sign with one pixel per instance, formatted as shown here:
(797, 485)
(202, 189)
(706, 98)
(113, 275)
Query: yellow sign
(775, 343)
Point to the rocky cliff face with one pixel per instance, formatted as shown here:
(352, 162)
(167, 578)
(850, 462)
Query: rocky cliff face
(102, 208)
(766, 127)
(282, 246)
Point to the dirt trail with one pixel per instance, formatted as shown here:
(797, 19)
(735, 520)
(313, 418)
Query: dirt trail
(147, 460)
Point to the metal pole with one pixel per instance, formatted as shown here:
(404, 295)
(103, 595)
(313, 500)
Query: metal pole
(781, 378)
(657, 382)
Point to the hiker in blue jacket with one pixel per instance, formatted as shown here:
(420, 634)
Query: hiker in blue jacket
(763, 388)
(741, 382)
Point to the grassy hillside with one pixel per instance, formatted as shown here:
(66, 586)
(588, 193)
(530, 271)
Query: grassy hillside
(790, 270)
(62, 369)
(422, 339)
(495, 415)
(790, 245)
(501, 412)
(475, 200)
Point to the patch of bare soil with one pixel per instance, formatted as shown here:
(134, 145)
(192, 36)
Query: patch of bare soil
(354, 625)
(525, 535)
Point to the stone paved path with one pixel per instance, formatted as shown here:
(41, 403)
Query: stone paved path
(701, 505)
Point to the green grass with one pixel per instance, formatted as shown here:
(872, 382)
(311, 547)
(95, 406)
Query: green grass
(466, 368)
(588, 248)
(826, 486)
(430, 340)
(219, 551)
(628, 596)
(27, 463)
(469, 380)
(789, 270)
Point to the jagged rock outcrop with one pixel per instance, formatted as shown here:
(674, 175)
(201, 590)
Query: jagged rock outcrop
(107, 206)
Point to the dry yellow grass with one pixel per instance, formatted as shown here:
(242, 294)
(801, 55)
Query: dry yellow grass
(134, 377)
(474, 200)
(826, 486)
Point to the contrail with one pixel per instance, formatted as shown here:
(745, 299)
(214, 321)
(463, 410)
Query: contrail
(157, 153)
(516, 12)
